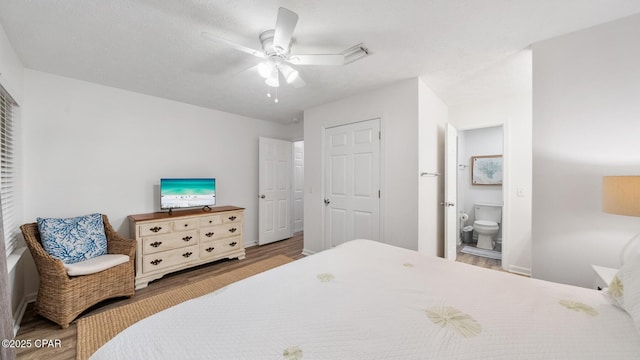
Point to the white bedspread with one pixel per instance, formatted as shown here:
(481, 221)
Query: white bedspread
(367, 300)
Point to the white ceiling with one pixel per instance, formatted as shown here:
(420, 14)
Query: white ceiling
(155, 46)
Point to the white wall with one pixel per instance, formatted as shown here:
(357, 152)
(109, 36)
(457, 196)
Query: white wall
(586, 99)
(397, 106)
(11, 69)
(513, 111)
(92, 148)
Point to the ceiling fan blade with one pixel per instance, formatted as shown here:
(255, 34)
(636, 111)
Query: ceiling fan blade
(317, 59)
(298, 83)
(285, 24)
(236, 46)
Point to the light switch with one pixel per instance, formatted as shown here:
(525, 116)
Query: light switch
(520, 191)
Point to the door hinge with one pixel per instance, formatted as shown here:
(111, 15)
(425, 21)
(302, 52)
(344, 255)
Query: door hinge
(378, 194)
(379, 135)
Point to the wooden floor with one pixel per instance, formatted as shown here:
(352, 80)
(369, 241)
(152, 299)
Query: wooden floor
(35, 327)
(478, 260)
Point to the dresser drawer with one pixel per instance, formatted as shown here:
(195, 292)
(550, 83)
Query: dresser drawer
(210, 220)
(154, 244)
(232, 217)
(220, 231)
(185, 224)
(154, 262)
(155, 228)
(215, 248)
(168, 242)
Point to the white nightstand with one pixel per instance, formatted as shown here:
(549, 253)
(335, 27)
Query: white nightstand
(602, 276)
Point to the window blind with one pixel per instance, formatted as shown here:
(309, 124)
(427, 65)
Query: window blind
(7, 171)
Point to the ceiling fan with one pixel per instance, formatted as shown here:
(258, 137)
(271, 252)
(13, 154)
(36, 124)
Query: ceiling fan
(276, 52)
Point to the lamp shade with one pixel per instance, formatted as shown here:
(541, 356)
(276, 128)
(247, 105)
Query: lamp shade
(621, 195)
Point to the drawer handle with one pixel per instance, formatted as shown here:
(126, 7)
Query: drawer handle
(210, 221)
(187, 238)
(209, 234)
(232, 230)
(185, 225)
(156, 228)
(156, 244)
(156, 261)
(187, 254)
(210, 249)
(232, 218)
(233, 244)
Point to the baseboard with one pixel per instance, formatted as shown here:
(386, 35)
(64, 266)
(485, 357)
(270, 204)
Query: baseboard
(22, 308)
(520, 270)
(250, 243)
(307, 252)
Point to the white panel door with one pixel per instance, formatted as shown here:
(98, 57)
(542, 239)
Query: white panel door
(298, 186)
(274, 219)
(450, 192)
(352, 182)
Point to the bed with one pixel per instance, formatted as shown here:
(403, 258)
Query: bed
(368, 300)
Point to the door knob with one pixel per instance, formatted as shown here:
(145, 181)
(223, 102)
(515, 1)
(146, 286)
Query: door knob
(262, 196)
(446, 204)
(327, 201)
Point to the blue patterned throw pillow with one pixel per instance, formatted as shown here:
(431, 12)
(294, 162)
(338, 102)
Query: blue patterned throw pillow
(74, 239)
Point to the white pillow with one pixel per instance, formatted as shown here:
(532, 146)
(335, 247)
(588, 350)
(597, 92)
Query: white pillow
(631, 249)
(629, 257)
(616, 290)
(624, 289)
(631, 288)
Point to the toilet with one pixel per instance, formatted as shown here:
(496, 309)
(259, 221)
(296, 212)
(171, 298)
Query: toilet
(487, 224)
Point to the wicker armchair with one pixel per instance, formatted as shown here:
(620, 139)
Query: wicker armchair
(62, 298)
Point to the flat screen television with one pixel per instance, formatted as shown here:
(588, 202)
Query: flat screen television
(187, 193)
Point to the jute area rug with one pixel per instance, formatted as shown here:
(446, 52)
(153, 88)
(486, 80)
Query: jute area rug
(94, 331)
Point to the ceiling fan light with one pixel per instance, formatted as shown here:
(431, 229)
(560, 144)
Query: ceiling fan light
(292, 77)
(265, 69)
(290, 74)
(273, 80)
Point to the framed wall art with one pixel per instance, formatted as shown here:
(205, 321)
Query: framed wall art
(486, 170)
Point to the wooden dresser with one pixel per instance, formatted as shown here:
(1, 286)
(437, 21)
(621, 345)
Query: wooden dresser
(186, 238)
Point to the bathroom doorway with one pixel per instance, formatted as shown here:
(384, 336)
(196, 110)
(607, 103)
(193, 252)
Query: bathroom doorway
(477, 148)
